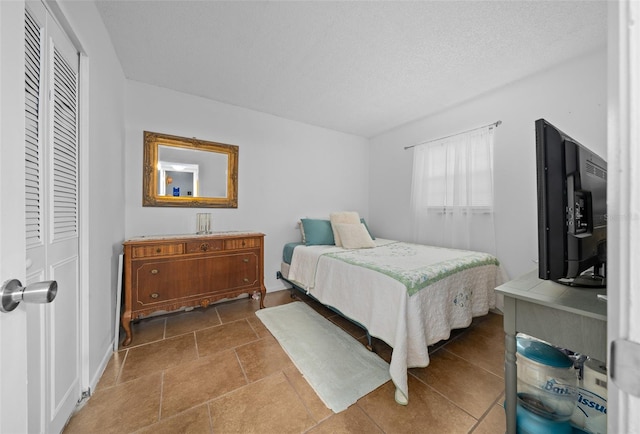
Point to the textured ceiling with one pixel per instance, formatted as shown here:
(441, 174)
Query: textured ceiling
(360, 67)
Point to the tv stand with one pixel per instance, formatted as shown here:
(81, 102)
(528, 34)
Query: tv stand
(586, 281)
(566, 316)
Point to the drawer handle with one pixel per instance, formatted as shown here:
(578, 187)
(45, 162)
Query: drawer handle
(246, 280)
(155, 295)
(244, 243)
(158, 250)
(245, 260)
(204, 247)
(154, 271)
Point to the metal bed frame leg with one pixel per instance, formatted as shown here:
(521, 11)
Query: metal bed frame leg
(369, 342)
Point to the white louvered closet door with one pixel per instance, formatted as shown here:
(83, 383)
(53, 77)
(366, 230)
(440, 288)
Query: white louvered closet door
(52, 232)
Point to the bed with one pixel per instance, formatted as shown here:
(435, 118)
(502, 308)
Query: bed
(408, 295)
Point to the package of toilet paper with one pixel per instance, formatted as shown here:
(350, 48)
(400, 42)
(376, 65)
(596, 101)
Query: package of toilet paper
(591, 412)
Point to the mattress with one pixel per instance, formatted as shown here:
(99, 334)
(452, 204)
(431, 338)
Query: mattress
(287, 251)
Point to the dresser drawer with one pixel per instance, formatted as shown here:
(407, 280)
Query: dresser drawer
(157, 250)
(163, 280)
(204, 246)
(240, 270)
(241, 243)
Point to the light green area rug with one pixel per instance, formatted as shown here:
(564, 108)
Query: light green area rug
(338, 367)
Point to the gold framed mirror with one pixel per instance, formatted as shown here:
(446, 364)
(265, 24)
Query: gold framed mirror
(183, 172)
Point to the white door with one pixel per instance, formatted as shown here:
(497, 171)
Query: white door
(51, 203)
(45, 236)
(623, 285)
(13, 350)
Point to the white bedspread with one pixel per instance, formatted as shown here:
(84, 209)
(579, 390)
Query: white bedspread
(408, 323)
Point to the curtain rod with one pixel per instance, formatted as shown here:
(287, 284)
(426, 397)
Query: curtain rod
(495, 124)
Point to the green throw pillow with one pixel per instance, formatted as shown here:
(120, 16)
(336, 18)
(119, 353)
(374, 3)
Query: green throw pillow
(317, 232)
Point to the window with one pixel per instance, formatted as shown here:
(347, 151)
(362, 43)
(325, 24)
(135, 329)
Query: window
(455, 172)
(452, 190)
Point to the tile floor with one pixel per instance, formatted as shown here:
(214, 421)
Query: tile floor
(219, 370)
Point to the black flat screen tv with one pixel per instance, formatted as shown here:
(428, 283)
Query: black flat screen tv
(572, 209)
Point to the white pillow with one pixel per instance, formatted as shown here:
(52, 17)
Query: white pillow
(342, 217)
(355, 236)
(304, 240)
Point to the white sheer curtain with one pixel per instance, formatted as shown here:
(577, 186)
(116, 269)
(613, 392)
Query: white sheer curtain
(452, 191)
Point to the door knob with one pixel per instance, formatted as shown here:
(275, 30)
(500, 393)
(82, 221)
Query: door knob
(12, 293)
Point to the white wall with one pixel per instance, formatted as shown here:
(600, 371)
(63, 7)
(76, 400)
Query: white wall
(287, 170)
(102, 186)
(572, 96)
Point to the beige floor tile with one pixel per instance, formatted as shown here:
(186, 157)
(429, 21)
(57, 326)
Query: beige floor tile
(427, 411)
(237, 309)
(193, 421)
(120, 409)
(470, 388)
(158, 356)
(309, 397)
(267, 406)
(485, 351)
(224, 337)
(490, 326)
(453, 335)
(199, 381)
(258, 327)
(112, 371)
(278, 298)
(351, 421)
(496, 318)
(144, 331)
(262, 358)
(494, 422)
(186, 322)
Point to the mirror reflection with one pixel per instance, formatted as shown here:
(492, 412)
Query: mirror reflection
(188, 172)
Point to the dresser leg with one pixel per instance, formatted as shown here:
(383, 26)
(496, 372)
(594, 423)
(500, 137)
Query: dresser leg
(263, 293)
(126, 325)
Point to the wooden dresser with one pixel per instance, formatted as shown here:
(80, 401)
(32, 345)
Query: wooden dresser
(167, 273)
